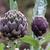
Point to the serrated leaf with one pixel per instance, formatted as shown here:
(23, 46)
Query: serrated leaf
(31, 41)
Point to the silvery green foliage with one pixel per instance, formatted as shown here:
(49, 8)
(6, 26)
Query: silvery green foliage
(13, 24)
(40, 8)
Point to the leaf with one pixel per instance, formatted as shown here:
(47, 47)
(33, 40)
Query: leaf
(31, 41)
(46, 39)
(2, 46)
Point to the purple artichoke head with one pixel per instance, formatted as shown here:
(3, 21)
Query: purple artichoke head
(39, 26)
(13, 24)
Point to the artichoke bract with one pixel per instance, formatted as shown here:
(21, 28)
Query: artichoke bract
(13, 24)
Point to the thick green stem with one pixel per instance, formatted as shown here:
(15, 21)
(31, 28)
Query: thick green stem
(13, 5)
(12, 46)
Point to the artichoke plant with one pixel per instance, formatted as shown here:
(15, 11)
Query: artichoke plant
(13, 25)
(39, 24)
